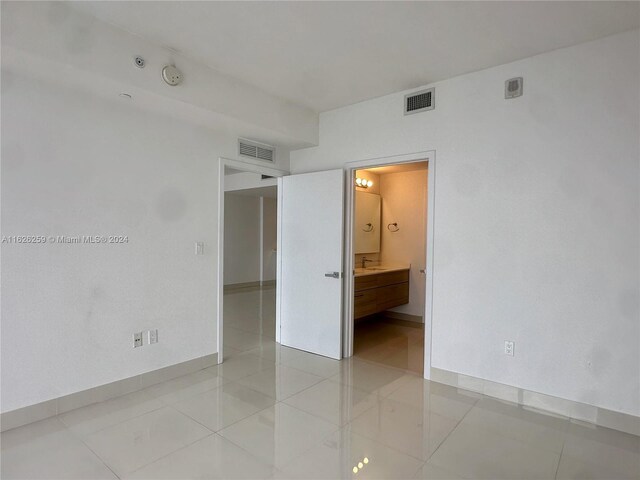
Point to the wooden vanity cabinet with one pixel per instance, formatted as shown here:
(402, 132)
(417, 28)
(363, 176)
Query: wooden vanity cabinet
(379, 292)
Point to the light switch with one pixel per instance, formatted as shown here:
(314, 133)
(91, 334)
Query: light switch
(152, 336)
(199, 248)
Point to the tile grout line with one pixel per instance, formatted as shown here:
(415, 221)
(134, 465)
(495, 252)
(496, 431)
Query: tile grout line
(81, 440)
(179, 448)
(128, 420)
(171, 453)
(233, 423)
(117, 423)
(453, 429)
(564, 440)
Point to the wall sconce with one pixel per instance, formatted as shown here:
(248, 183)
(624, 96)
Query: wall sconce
(363, 183)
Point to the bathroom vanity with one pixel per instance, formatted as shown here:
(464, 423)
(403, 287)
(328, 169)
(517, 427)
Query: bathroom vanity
(380, 288)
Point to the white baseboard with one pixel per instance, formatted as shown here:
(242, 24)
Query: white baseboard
(539, 401)
(50, 408)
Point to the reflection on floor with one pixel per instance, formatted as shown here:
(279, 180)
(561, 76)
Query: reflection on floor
(275, 412)
(249, 318)
(390, 342)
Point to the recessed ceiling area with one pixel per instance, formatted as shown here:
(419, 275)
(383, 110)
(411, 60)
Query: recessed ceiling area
(325, 55)
(401, 167)
(232, 171)
(269, 192)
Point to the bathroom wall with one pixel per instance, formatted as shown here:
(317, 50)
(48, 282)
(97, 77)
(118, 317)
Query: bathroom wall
(537, 216)
(241, 239)
(404, 200)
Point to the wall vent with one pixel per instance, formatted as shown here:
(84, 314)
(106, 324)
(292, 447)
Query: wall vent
(420, 101)
(260, 151)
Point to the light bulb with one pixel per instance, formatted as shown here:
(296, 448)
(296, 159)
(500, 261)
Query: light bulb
(360, 465)
(355, 469)
(359, 181)
(366, 460)
(369, 183)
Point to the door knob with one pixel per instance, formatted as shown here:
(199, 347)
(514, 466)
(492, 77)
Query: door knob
(332, 274)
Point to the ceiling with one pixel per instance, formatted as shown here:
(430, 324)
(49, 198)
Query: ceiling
(269, 192)
(325, 55)
(401, 167)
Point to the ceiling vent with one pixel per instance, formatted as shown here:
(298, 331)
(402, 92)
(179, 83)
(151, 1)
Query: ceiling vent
(260, 151)
(420, 101)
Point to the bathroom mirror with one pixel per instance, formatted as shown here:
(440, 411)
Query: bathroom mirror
(367, 223)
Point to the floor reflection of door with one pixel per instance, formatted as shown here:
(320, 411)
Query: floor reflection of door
(249, 318)
(390, 342)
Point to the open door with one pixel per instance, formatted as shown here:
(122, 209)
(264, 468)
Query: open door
(311, 242)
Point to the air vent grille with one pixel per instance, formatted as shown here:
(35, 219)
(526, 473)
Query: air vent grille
(248, 148)
(265, 154)
(419, 101)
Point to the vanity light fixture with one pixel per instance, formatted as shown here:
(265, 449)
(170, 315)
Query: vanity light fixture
(363, 183)
(360, 465)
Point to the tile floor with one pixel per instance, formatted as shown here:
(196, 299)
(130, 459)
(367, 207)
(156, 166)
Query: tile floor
(390, 342)
(274, 412)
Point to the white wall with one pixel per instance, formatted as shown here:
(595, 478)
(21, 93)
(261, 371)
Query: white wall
(241, 239)
(536, 216)
(404, 201)
(74, 164)
(269, 238)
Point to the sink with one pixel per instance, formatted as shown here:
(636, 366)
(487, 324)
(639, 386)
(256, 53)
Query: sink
(369, 269)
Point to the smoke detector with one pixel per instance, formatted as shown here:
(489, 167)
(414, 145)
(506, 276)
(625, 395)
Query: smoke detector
(171, 75)
(513, 88)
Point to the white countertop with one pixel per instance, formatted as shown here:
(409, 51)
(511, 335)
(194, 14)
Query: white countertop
(382, 268)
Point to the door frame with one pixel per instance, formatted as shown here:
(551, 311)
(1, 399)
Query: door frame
(350, 168)
(243, 167)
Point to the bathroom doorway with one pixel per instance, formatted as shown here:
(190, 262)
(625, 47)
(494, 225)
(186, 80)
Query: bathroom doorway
(389, 241)
(388, 304)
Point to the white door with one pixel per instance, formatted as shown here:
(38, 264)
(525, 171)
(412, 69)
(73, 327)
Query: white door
(311, 227)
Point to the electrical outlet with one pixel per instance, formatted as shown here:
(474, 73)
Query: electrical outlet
(152, 336)
(137, 339)
(509, 347)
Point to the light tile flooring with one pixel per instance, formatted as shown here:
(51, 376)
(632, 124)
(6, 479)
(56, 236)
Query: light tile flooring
(390, 342)
(274, 412)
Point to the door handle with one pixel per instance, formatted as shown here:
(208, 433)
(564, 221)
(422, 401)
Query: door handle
(423, 271)
(332, 274)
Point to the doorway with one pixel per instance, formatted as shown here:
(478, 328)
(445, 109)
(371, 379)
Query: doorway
(389, 245)
(246, 256)
(425, 230)
(316, 261)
